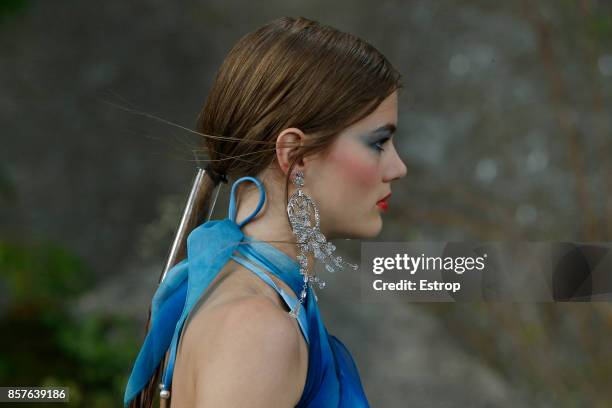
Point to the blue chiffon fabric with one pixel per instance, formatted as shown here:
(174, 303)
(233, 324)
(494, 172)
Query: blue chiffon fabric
(332, 379)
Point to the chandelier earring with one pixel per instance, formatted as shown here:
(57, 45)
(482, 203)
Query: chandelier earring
(305, 223)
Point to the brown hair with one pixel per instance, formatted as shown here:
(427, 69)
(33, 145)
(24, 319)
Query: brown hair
(292, 72)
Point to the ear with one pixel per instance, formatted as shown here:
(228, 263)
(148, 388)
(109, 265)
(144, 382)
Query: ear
(287, 143)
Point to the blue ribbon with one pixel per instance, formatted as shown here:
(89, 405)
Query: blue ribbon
(209, 248)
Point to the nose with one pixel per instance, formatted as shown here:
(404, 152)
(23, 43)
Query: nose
(395, 167)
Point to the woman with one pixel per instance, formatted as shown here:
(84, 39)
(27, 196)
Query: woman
(297, 109)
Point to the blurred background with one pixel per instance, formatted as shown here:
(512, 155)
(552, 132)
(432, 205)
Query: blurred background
(504, 123)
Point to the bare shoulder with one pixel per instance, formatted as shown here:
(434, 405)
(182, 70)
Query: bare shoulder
(251, 345)
(258, 320)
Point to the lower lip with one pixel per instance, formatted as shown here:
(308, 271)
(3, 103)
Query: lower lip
(382, 205)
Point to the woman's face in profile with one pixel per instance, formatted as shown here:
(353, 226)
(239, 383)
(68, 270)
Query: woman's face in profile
(356, 173)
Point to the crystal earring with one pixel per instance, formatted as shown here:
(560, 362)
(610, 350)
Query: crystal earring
(301, 210)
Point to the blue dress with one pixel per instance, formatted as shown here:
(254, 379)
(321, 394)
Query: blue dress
(332, 379)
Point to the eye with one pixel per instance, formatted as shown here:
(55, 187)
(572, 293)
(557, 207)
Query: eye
(378, 145)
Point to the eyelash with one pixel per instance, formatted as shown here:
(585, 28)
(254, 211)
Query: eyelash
(378, 144)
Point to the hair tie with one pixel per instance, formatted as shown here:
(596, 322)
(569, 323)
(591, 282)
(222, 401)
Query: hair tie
(215, 176)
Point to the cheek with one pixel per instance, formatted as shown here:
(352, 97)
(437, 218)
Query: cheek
(355, 168)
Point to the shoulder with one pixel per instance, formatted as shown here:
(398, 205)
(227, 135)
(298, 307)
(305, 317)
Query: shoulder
(256, 317)
(262, 321)
(252, 345)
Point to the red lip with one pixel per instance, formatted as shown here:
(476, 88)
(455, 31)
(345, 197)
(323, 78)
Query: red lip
(382, 203)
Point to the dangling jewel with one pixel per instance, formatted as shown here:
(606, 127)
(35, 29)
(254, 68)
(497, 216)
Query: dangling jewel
(301, 210)
(164, 395)
(296, 310)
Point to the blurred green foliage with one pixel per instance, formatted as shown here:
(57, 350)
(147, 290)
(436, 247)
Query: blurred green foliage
(44, 342)
(42, 272)
(600, 26)
(10, 8)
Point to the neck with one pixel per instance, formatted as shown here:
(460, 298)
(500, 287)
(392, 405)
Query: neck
(271, 224)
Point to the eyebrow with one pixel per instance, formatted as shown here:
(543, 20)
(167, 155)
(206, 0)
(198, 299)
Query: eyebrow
(388, 128)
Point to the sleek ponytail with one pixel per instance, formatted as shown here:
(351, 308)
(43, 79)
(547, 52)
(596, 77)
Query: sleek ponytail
(199, 204)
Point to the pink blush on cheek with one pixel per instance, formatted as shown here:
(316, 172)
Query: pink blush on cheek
(355, 167)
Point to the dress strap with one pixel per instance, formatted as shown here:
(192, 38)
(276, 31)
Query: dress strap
(248, 259)
(232, 203)
(289, 299)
